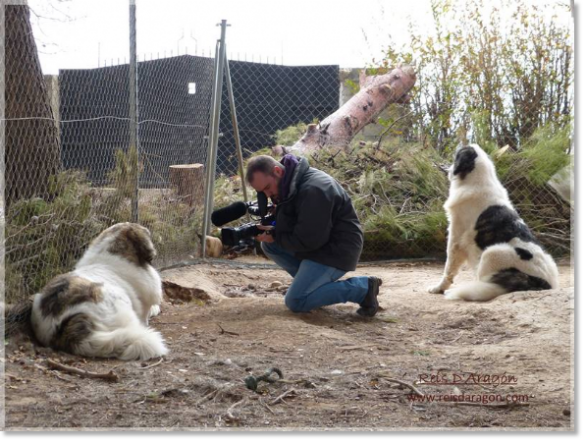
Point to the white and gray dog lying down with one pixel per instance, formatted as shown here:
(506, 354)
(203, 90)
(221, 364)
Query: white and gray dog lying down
(102, 307)
(486, 231)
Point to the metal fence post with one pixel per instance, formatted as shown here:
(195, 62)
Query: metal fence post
(208, 173)
(232, 101)
(133, 86)
(2, 188)
(214, 134)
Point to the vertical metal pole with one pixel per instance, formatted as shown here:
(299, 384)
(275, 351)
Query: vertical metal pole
(239, 153)
(2, 199)
(133, 83)
(214, 135)
(209, 178)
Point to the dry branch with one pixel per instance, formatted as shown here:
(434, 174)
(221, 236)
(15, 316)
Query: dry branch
(46, 370)
(282, 396)
(216, 392)
(111, 376)
(225, 332)
(146, 367)
(267, 406)
(232, 407)
(357, 347)
(405, 384)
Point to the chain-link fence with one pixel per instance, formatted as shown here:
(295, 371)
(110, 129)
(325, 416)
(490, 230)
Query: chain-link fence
(395, 169)
(71, 168)
(70, 165)
(173, 101)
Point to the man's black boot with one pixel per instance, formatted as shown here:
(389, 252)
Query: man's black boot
(369, 306)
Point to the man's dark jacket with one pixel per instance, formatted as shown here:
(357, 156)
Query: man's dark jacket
(317, 220)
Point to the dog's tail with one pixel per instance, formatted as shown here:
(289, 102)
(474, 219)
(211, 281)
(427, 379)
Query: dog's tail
(504, 281)
(476, 291)
(15, 318)
(128, 343)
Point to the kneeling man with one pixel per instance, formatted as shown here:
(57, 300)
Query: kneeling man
(317, 237)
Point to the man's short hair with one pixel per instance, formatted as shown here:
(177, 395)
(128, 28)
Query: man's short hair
(261, 163)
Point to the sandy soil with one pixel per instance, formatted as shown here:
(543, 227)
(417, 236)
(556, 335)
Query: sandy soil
(340, 370)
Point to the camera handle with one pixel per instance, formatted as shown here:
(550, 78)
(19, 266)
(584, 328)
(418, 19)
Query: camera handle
(262, 203)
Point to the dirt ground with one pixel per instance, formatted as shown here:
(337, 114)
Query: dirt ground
(514, 355)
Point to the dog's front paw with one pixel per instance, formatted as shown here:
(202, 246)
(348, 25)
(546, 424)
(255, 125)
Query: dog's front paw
(437, 289)
(154, 311)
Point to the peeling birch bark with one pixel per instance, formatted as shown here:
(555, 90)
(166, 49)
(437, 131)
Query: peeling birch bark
(339, 128)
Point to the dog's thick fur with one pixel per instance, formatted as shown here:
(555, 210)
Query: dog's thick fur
(102, 307)
(486, 231)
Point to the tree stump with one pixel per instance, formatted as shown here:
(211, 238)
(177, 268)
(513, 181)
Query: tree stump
(189, 182)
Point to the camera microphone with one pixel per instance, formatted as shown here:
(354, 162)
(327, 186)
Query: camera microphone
(229, 213)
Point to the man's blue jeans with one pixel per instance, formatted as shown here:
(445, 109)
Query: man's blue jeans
(315, 285)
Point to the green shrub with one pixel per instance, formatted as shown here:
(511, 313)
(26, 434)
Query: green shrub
(398, 190)
(45, 238)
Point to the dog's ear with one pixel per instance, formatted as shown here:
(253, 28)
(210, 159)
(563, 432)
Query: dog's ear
(145, 251)
(464, 162)
(133, 243)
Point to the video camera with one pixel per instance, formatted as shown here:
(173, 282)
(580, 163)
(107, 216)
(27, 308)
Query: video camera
(233, 236)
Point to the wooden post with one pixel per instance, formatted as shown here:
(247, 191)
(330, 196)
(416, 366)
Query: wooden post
(188, 180)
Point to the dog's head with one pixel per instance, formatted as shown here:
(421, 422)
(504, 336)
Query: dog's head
(471, 162)
(129, 241)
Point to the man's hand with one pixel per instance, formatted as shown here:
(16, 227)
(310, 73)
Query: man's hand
(265, 237)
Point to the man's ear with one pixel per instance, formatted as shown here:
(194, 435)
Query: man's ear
(277, 171)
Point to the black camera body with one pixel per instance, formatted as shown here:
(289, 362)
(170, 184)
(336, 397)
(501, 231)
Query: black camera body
(233, 236)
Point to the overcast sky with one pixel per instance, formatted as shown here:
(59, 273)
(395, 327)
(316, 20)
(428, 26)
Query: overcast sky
(291, 32)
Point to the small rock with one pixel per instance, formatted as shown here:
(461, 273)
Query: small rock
(275, 284)
(566, 412)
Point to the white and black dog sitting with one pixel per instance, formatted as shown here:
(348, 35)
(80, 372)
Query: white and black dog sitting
(102, 307)
(486, 231)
